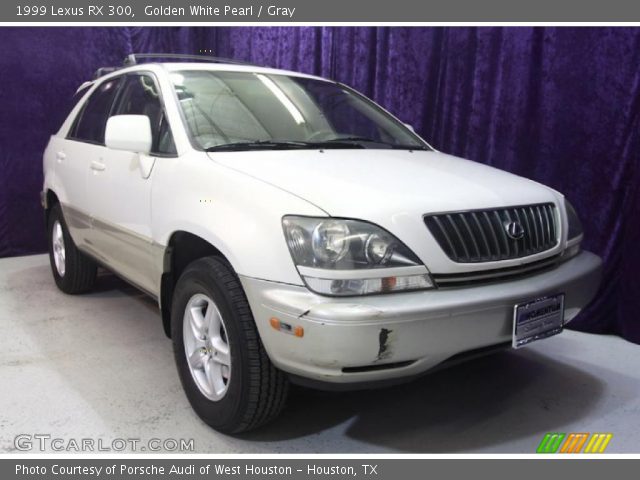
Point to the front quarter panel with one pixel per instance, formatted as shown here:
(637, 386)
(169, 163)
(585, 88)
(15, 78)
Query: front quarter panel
(239, 215)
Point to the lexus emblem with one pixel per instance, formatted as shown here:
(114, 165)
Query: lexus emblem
(514, 230)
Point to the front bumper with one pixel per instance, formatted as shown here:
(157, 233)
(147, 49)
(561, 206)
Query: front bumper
(383, 337)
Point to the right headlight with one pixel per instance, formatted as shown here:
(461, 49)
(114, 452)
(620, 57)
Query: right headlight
(351, 257)
(574, 231)
(573, 221)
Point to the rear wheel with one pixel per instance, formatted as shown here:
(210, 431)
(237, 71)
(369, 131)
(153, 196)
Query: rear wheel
(72, 271)
(224, 369)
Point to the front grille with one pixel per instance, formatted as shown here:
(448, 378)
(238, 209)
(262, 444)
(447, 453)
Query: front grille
(482, 235)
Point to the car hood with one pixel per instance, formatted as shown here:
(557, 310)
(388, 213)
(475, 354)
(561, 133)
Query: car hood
(383, 185)
(393, 189)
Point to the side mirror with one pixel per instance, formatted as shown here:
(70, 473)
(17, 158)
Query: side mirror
(129, 132)
(410, 127)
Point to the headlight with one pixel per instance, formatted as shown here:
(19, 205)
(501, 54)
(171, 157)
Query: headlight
(351, 257)
(337, 244)
(573, 221)
(330, 241)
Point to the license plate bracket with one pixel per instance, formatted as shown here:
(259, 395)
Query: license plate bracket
(537, 319)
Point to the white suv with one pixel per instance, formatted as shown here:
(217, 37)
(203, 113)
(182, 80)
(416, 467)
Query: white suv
(292, 230)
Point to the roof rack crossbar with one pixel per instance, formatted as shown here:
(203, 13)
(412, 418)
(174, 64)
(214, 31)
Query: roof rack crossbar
(133, 58)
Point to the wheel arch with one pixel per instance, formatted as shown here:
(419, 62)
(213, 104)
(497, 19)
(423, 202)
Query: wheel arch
(49, 199)
(183, 248)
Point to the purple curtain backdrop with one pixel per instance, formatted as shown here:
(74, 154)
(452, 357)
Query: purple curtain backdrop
(558, 105)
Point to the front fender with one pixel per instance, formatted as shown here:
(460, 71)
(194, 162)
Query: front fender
(237, 214)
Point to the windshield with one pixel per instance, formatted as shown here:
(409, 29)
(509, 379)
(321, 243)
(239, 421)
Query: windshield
(246, 110)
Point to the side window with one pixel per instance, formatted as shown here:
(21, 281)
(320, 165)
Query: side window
(92, 119)
(72, 102)
(140, 96)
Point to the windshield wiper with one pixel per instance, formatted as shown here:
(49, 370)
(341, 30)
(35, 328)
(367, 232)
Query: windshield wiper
(337, 143)
(279, 145)
(397, 146)
(352, 139)
(257, 145)
(360, 140)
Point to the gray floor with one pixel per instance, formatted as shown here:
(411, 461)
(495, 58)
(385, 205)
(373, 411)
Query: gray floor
(99, 365)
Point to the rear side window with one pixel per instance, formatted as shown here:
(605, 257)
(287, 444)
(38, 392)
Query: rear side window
(72, 102)
(140, 96)
(90, 123)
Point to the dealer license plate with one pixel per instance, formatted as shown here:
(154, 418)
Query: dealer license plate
(538, 319)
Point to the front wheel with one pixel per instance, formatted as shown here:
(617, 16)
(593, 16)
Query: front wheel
(224, 369)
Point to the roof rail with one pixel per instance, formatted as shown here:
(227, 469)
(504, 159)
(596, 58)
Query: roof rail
(133, 58)
(103, 71)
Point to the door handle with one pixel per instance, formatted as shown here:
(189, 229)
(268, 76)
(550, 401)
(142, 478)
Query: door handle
(97, 166)
(60, 156)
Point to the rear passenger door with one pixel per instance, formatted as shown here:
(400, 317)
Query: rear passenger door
(121, 191)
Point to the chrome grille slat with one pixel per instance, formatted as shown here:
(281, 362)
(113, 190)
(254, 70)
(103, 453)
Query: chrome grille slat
(530, 227)
(527, 238)
(503, 235)
(451, 251)
(496, 244)
(480, 235)
(545, 239)
(471, 235)
(465, 251)
(517, 246)
(548, 214)
(535, 227)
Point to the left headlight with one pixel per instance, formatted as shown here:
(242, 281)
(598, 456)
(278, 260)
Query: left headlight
(351, 257)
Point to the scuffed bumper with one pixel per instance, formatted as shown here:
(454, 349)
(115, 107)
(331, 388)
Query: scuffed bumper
(382, 337)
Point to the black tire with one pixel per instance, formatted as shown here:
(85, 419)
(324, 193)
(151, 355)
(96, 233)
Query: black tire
(79, 270)
(256, 391)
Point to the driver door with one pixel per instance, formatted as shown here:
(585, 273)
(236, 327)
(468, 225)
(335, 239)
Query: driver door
(121, 189)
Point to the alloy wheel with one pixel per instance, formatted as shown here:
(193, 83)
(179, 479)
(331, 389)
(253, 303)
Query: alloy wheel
(206, 346)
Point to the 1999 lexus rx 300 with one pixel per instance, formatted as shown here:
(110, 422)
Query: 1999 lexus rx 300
(292, 230)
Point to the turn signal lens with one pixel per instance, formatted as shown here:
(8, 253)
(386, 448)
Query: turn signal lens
(283, 327)
(367, 286)
(571, 251)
